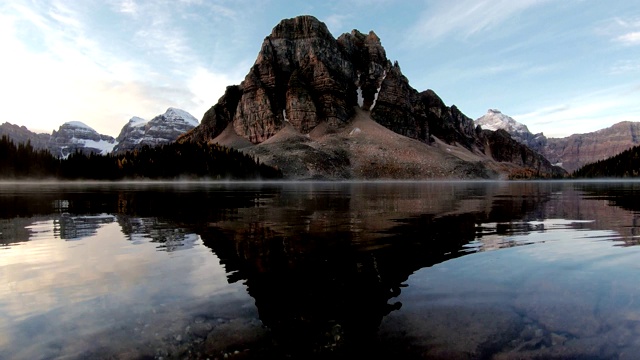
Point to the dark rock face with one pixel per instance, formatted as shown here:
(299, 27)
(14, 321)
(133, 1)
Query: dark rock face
(76, 136)
(219, 116)
(300, 74)
(398, 107)
(22, 135)
(502, 147)
(305, 77)
(448, 123)
(162, 129)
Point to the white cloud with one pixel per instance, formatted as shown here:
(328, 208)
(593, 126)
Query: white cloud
(128, 7)
(465, 18)
(70, 78)
(632, 38)
(621, 30)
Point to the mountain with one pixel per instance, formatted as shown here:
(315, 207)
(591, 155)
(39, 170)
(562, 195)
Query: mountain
(320, 107)
(495, 120)
(571, 152)
(578, 150)
(71, 136)
(162, 129)
(20, 134)
(77, 136)
(136, 133)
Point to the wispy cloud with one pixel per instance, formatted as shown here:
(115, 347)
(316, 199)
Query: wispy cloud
(128, 7)
(625, 31)
(76, 73)
(622, 67)
(632, 38)
(465, 18)
(585, 113)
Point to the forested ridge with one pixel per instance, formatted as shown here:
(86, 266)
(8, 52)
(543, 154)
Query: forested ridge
(171, 161)
(624, 165)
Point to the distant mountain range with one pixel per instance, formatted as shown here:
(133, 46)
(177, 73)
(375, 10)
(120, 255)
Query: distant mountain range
(571, 152)
(76, 136)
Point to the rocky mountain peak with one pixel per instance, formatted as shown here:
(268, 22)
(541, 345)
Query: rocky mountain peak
(304, 79)
(494, 120)
(75, 136)
(162, 129)
(178, 115)
(301, 27)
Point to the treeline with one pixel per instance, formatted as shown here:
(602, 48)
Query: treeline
(171, 161)
(624, 165)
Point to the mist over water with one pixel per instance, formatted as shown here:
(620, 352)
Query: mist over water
(321, 270)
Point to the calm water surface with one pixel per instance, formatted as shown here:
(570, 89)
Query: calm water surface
(519, 270)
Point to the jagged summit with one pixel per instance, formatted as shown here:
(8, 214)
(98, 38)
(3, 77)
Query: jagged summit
(162, 129)
(181, 116)
(300, 27)
(306, 82)
(494, 120)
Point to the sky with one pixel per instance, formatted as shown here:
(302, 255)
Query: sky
(558, 66)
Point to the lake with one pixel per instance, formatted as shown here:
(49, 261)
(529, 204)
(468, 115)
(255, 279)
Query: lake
(435, 270)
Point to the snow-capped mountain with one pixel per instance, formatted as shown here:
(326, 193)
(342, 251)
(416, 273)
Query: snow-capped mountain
(495, 120)
(162, 129)
(76, 135)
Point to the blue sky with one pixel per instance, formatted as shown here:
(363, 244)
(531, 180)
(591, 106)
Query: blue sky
(558, 66)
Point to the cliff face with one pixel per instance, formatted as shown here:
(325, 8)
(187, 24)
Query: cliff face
(578, 150)
(305, 77)
(306, 81)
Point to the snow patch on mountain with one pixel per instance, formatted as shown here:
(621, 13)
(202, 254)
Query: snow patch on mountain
(103, 146)
(496, 120)
(177, 114)
(137, 122)
(75, 136)
(162, 129)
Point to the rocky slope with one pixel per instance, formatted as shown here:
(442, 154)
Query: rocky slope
(162, 129)
(571, 152)
(578, 150)
(20, 134)
(298, 106)
(76, 136)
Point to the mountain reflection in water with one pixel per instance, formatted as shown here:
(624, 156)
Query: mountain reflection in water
(326, 263)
